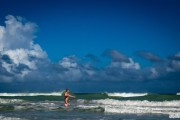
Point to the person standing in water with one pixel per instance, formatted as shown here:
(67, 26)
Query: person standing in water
(66, 97)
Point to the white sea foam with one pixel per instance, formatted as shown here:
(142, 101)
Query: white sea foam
(87, 106)
(175, 103)
(126, 94)
(82, 101)
(36, 106)
(178, 94)
(139, 107)
(10, 118)
(7, 101)
(32, 94)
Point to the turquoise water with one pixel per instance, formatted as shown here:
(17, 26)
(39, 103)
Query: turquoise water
(104, 106)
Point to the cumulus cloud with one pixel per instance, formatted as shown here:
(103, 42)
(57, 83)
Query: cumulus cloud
(19, 54)
(121, 67)
(72, 69)
(69, 62)
(124, 65)
(23, 60)
(17, 33)
(75, 70)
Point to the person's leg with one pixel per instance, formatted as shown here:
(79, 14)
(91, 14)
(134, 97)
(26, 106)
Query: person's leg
(66, 102)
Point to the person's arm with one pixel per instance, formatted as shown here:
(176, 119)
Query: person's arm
(72, 96)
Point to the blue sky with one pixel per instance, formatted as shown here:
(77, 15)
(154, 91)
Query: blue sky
(134, 37)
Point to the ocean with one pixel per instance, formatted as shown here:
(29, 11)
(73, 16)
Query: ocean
(89, 106)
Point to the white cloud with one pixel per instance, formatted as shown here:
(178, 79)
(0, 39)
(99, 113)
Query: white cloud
(125, 65)
(69, 62)
(22, 56)
(73, 70)
(17, 41)
(16, 33)
(154, 73)
(130, 65)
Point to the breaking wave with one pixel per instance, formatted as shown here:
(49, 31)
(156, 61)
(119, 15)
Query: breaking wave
(97, 105)
(139, 107)
(31, 94)
(126, 94)
(116, 103)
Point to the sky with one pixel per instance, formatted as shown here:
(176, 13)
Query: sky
(90, 45)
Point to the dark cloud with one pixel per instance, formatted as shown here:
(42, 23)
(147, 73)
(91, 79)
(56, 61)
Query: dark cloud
(20, 68)
(4, 72)
(6, 58)
(177, 58)
(174, 57)
(174, 62)
(149, 56)
(115, 55)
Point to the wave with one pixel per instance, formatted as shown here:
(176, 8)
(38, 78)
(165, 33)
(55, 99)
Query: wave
(178, 94)
(126, 94)
(85, 97)
(139, 107)
(21, 105)
(97, 105)
(31, 94)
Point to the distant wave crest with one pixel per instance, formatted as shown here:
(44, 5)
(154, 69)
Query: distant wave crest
(32, 94)
(126, 94)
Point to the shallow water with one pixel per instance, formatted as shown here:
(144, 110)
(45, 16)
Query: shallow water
(30, 106)
(55, 115)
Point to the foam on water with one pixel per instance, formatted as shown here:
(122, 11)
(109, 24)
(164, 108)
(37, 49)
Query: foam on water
(32, 94)
(126, 94)
(10, 118)
(178, 94)
(87, 106)
(139, 107)
(107, 105)
(8, 101)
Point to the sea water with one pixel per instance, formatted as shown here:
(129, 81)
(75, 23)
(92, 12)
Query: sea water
(89, 106)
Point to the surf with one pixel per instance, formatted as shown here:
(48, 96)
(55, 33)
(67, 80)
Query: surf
(139, 107)
(31, 94)
(116, 94)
